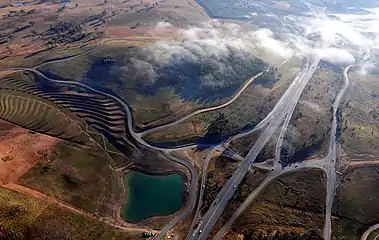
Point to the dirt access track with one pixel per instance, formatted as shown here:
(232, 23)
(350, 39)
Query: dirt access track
(19, 151)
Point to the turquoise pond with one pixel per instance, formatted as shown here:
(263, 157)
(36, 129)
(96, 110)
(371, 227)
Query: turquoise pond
(152, 195)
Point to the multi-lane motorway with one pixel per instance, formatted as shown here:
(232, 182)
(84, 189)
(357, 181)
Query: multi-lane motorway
(327, 164)
(282, 109)
(281, 112)
(203, 184)
(331, 160)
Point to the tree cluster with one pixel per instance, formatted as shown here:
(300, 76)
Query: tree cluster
(220, 126)
(65, 32)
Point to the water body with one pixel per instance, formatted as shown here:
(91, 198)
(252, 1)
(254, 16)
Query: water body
(152, 195)
(223, 9)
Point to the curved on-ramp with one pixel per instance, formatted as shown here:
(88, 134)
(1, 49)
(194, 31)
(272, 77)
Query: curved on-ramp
(367, 233)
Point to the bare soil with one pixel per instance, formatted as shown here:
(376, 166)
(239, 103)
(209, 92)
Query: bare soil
(19, 151)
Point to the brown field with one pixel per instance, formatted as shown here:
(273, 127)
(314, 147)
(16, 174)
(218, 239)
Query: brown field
(19, 150)
(122, 19)
(356, 199)
(23, 39)
(301, 141)
(79, 177)
(39, 217)
(360, 116)
(291, 205)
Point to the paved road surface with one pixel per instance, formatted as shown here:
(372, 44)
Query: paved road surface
(277, 107)
(202, 186)
(282, 108)
(369, 231)
(330, 168)
(327, 164)
(191, 202)
(277, 171)
(129, 118)
(193, 189)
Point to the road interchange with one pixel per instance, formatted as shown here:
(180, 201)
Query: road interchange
(282, 111)
(129, 118)
(134, 135)
(288, 101)
(327, 164)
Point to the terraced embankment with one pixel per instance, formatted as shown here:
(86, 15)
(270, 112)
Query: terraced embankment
(39, 115)
(67, 112)
(103, 115)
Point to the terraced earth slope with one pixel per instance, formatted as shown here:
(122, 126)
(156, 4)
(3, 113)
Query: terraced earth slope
(66, 112)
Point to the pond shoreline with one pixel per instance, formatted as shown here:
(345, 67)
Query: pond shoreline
(138, 170)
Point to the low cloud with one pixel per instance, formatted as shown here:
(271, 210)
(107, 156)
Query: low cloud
(347, 36)
(337, 38)
(164, 25)
(214, 39)
(208, 62)
(225, 48)
(335, 55)
(266, 40)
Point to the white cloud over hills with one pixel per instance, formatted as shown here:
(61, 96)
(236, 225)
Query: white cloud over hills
(337, 38)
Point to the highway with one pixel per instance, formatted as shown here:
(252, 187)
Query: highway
(276, 172)
(277, 107)
(328, 165)
(331, 160)
(284, 108)
(203, 184)
(280, 111)
(332, 164)
(279, 143)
